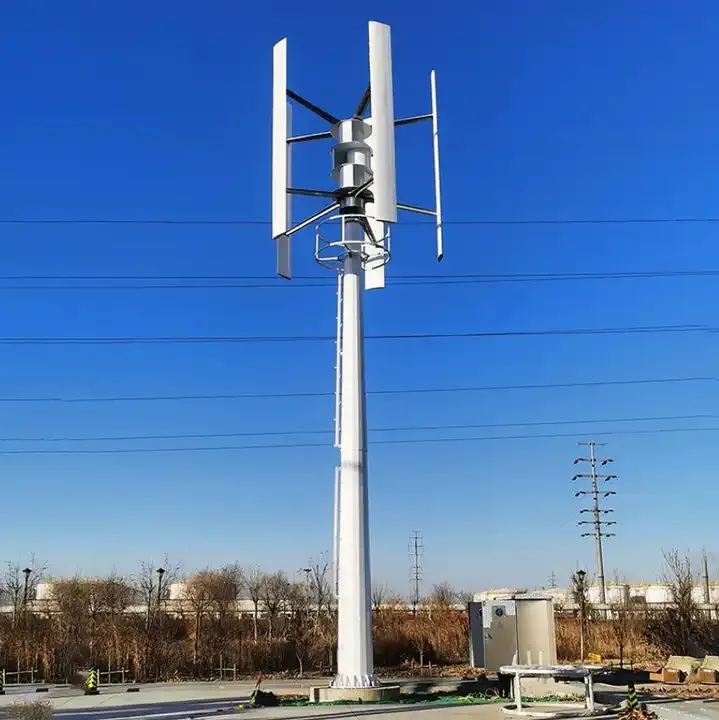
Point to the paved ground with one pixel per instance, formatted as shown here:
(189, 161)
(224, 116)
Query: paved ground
(181, 701)
(377, 712)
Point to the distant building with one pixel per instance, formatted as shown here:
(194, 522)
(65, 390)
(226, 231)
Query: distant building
(636, 594)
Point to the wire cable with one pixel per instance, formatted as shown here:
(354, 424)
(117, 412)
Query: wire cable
(257, 282)
(324, 280)
(408, 428)
(328, 393)
(238, 339)
(264, 223)
(328, 445)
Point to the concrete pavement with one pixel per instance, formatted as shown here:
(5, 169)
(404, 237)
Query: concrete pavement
(180, 701)
(375, 712)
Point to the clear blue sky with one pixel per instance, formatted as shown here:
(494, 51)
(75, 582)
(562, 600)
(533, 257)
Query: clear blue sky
(552, 110)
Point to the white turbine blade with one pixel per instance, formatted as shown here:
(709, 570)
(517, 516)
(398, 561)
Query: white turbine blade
(281, 120)
(284, 256)
(374, 251)
(384, 186)
(280, 131)
(284, 242)
(435, 149)
(374, 264)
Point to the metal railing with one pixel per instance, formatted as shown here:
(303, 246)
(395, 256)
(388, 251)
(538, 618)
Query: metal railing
(112, 677)
(21, 677)
(224, 672)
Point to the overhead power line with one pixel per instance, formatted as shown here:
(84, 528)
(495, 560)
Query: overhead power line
(209, 282)
(475, 222)
(239, 339)
(388, 391)
(406, 428)
(329, 444)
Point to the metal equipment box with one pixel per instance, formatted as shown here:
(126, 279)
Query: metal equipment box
(517, 629)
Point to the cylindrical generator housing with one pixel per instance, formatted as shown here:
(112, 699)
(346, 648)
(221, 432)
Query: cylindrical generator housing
(351, 161)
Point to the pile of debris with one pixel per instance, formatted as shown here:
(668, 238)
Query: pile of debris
(640, 713)
(261, 698)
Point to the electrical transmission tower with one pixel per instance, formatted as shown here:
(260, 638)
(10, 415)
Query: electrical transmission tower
(596, 511)
(416, 550)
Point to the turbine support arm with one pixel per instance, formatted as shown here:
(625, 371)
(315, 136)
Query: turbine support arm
(316, 109)
(312, 219)
(416, 209)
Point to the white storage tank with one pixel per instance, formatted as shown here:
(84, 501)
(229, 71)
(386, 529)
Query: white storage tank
(43, 591)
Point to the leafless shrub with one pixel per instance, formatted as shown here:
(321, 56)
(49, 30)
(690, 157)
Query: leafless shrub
(681, 628)
(622, 619)
(38, 710)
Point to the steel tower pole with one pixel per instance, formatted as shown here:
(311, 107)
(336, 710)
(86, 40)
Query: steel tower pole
(597, 527)
(355, 666)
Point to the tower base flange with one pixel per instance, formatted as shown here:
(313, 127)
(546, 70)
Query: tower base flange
(359, 694)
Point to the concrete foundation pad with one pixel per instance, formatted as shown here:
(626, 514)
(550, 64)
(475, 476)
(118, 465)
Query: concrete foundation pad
(365, 694)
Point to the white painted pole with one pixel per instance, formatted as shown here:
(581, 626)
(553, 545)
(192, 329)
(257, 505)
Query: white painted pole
(336, 536)
(355, 667)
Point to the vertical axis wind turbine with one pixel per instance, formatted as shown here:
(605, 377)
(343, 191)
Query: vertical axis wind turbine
(352, 237)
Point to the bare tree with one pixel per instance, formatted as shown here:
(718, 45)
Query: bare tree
(299, 630)
(580, 595)
(380, 593)
(152, 588)
(225, 588)
(443, 595)
(198, 594)
(680, 627)
(321, 615)
(621, 619)
(19, 584)
(420, 627)
(71, 601)
(254, 581)
(273, 594)
(319, 586)
(441, 599)
(152, 591)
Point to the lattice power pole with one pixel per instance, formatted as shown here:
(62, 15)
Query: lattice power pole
(596, 511)
(416, 550)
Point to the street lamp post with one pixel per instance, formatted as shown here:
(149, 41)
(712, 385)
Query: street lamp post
(26, 572)
(581, 577)
(160, 574)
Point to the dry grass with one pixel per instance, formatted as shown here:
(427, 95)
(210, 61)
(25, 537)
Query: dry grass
(93, 624)
(602, 639)
(37, 710)
(688, 692)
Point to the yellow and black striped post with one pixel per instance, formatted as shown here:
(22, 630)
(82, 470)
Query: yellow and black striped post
(632, 698)
(91, 683)
(2, 682)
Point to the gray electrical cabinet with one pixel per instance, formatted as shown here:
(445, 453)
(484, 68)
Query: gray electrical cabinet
(511, 630)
